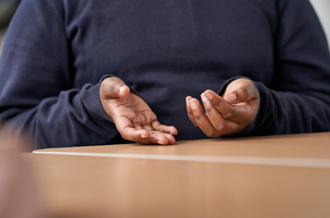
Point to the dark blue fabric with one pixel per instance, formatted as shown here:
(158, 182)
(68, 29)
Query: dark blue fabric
(56, 53)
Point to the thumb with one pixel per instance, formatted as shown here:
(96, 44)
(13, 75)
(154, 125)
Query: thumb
(245, 91)
(113, 87)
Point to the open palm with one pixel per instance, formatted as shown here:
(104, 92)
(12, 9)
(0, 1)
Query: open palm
(133, 118)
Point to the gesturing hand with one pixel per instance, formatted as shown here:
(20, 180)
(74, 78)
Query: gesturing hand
(133, 118)
(228, 114)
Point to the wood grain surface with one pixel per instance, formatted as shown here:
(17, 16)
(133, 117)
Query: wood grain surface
(74, 186)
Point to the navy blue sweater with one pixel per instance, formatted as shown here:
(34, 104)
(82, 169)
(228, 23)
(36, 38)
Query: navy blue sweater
(56, 52)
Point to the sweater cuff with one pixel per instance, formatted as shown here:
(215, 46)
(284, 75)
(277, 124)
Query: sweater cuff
(92, 102)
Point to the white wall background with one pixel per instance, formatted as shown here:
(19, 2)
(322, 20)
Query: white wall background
(2, 35)
(322, 7)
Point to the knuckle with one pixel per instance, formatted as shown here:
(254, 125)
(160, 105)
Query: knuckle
(231, 114)
(207, 110)
(216, 103)
(112, 87)
(221, 127)
(245, 92)
(198, 117)
(210, 133)
(190, 113)
(161, 128)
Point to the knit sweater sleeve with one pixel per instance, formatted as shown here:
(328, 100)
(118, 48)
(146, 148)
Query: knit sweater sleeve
(36, 77)
(298, 99)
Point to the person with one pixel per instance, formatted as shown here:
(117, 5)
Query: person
(77, 73)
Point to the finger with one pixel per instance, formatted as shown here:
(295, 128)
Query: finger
(219, 122)
(148, 127)
(113, 87)
(155, 138)
(132, 134)
(190, 111)
(170, 138)
(128, 131)
(137, 126)
(221, 105)
(239, 113)
(245, 91)
(163, 128)
(202, 120)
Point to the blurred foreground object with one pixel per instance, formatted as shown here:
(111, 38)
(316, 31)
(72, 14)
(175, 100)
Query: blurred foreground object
(18, 189)
(7, 10)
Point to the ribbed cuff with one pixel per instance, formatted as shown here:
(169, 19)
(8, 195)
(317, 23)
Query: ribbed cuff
(92, 102)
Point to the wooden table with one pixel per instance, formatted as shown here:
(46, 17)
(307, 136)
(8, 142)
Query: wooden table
(274, 176)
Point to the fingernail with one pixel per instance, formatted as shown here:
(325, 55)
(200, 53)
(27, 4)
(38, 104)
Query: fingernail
(232, 97)
(209, 96)
(121, 90)
(160, 142)
(173, 132)
(144, 136)
(206, 101)
(187, 101)
(193, 105)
